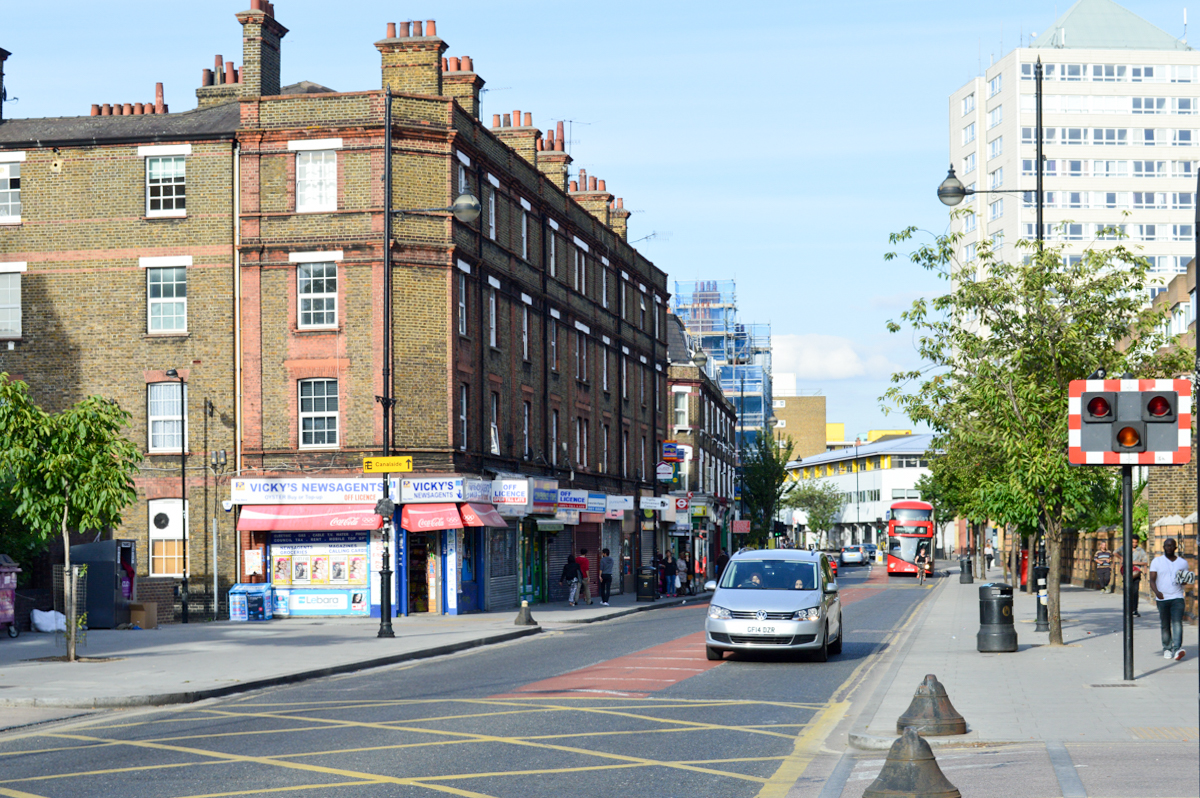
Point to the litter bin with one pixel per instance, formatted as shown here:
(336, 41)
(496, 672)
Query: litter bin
(996, 630)
(8, 594)
(965, 575)
(647, 584)
(249, 602)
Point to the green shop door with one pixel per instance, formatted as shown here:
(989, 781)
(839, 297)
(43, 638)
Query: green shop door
(532, 553)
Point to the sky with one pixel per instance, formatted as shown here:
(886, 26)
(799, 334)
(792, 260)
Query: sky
(777, 144)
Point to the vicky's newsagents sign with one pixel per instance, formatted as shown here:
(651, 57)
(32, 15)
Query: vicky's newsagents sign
(312, 490)
(433, 489)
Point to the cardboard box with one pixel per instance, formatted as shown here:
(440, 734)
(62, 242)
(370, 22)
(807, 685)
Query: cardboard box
(144, 614)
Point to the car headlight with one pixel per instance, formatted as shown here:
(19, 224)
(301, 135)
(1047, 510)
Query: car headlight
(718, 613)
(810, 614)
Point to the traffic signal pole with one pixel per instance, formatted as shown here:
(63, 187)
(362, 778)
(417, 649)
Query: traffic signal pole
(1127, 564)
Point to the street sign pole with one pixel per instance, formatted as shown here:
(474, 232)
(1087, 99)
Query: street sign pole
(1127, 558)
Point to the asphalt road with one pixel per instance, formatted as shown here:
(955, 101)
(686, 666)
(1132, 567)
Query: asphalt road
(629, 706)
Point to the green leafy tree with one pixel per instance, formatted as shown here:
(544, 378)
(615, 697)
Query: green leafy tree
(821, 502)
(764, 482)
(1000, 349)
(72, 469)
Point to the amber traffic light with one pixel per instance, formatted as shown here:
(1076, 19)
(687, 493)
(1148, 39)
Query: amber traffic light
(1129, 439)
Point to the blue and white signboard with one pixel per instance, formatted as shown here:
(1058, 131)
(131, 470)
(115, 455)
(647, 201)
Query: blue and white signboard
(476, 490)
(432, 489)
(572, 499)
(305, 490)
(597, 502)
(621, 503)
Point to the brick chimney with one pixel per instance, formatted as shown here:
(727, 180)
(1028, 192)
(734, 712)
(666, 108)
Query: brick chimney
(593, 197)
(4, 54)
(218, 85)
(521, 135)
(552, 159)
(261, 36)
(460, 82)
(412, 60)
(619, 219)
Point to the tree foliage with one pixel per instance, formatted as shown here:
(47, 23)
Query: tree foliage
(821, 501)
(68, 470)
(1000, 349)
(764, 482)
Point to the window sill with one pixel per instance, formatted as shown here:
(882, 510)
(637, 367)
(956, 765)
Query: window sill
(168, 454)
(177, 335)
(316, 330)
(333, 448)
(13, 221)
(495, 350)
(316, 210)
(154, 217)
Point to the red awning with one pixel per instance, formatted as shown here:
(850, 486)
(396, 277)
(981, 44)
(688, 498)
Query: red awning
(305, 517)
(430, 517)
(481, 515)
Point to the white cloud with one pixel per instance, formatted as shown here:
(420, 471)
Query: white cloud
(826, 357)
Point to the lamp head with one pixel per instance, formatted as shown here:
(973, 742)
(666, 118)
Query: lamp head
(466, 208)
(173, 374)
(700, 358)
(951, 192)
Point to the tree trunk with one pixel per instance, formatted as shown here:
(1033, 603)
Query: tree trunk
(1014, 558)
(1054, 578)
(68, 587)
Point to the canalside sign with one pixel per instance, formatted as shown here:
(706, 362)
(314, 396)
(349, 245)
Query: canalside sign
(387, 465)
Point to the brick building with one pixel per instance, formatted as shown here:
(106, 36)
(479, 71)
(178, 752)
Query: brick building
(703, 422)
(528, 347)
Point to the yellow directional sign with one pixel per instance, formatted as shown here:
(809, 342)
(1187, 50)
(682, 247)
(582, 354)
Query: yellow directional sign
(386, 465)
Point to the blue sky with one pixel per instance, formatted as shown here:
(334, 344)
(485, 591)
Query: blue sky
(775, 143)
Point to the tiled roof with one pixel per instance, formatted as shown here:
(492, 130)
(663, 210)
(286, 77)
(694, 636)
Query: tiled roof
(905, 444)
(1104, 25)
(677, 347)
(220, 121)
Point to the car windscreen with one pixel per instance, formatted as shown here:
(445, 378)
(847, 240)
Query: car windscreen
(770, 575)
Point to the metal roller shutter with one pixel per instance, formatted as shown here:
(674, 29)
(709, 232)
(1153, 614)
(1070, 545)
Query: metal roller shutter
(558, 548)
(502, 568)
(587, 536)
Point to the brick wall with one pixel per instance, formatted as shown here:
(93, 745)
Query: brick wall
(161, 591)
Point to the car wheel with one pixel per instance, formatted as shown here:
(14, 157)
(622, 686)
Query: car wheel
(13, 631)
(822, 653)
(836, 646)
(714, 653)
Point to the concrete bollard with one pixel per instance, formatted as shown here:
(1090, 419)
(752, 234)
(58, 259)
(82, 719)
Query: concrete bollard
(524, 616)
(931, 712)
(911, 770)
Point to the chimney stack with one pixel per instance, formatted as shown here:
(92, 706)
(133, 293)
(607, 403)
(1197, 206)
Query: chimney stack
(523, 138)
(460, 82)
(619, 219)
(413, 64)
(160, 107)
(593, 198)
(553, 161)
(261, 38)
(4, 54)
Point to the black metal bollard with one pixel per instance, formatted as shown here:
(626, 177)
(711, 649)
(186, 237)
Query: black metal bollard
(1041, 575)
(965, 575)
(647, 584)
(996, 630)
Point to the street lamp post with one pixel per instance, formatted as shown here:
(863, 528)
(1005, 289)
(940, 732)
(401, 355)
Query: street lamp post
(183, 588)
(218, 464)
(465, 208)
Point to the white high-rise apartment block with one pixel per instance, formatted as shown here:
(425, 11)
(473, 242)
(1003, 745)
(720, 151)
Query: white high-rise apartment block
(1121, 133)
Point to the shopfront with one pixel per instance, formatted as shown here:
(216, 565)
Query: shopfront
(322, 538)
(528, 504)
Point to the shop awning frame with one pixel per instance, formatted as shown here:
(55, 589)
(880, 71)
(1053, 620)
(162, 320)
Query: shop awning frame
(307, 517)
(476, 515)
(430, 517)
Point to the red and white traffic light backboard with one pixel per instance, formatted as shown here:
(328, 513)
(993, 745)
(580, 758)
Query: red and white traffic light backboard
(1130, 422)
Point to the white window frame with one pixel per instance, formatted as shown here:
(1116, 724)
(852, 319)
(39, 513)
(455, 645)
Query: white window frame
(462, 304)
(996, 85)
(166, 418)
(301, 415)
(968, 133)
(554, 437)
(154, 266)
(463, 399)
(524, 234)
(968, 104)
(172, 152)
(554, 346)
(624, 453)
(323, 298)
(317, 194)
(553, 255)
(172, 508)
(607, 430)
(528, 413)
(11, 162)
(492, 323)
(494, 438)
(624, 377)
(604, 370)
(491, 197)
(11, 273)
(581, 356)
(525, 332)
(680, 410)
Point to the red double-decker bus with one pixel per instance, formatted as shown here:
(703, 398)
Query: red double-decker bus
(910, 529)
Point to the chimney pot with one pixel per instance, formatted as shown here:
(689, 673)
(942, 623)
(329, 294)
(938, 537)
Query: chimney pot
(405, 30)
(467, 64)
(600, 186)
(559, 129)
(540, 145)
(620, 202)
(256, 5)
(237, 76)
(127, 109)
(528, 119)
(550, 138)
(445, 64)
(418, 28)
(160, 107)
(573, 186)
(455, 63)
(269, 7)
(591, 184)
(558, 145)
(495, 120)
(431, 28)
(229, 78)
(95, 109)
(391, 30)
(138, 109)
(516, 117)
(106, 110)
(507, 121)
(206, 77)
(583, 177)
(217, 62)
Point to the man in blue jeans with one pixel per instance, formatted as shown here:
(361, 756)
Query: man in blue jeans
(1166, 583)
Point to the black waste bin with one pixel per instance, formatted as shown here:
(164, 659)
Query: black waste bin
(965, 575)
(996, 630)
(647, 584)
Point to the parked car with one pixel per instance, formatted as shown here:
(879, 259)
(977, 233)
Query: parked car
(855, 554)
(778, 600)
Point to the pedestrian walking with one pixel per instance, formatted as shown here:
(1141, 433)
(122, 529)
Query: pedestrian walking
(922, 563)
(1103, 561)
(606, 574)
(1168, 575)
(722, 561)
(570, 575)
(1140, 563)
(585, 590)
(669, 571)
(682, 577)
(989, 553)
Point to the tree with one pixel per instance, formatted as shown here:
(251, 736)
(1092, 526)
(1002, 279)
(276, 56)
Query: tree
(1000, 349)
(72, 469)
(821, 502)
(764, 482)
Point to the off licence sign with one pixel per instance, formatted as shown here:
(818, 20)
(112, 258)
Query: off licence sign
(387, 465)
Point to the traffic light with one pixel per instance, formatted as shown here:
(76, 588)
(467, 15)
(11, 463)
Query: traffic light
(1133, 422)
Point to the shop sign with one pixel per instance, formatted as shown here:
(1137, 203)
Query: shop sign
(597, 503)
(305, 490)
(476, 490)
(569, 517)
(614, 515)
(621, 503)
(699, 511)
(510, 492)
(327, 602)
(545, 496)
(435, 489)
(670, 452)
(740, 527)
(572, 499)
(665, 471)
(681, 504)
(655, 502)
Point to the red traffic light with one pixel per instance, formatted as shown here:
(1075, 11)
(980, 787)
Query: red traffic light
(1158, 406)
(1128, 437)
(1099, 407)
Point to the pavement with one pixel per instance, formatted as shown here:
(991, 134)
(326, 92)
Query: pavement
(183, 663)
(1070, 693)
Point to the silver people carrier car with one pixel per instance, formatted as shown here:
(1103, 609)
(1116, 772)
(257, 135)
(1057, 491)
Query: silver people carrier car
(776, 600)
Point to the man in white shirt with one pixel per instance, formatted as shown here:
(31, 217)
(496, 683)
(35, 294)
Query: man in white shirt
(1167, 587)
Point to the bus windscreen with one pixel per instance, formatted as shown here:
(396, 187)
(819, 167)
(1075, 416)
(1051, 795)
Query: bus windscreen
(901, 514)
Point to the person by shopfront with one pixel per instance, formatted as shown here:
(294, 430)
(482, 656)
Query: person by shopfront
(606, 576)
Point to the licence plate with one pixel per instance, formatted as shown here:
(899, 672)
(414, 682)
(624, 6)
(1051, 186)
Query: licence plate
(760, 630)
